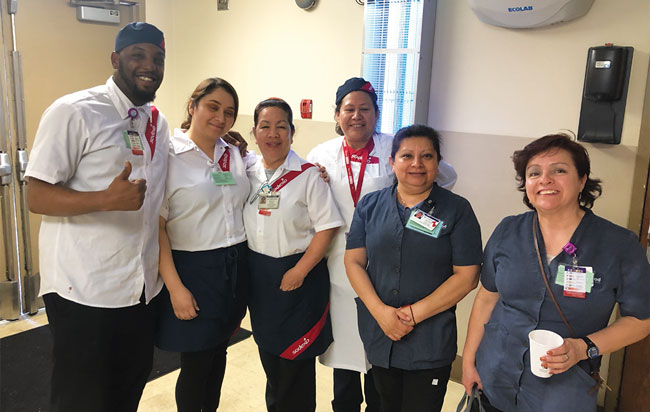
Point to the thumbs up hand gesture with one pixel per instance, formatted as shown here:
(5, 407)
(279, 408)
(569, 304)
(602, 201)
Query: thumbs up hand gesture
(125, 194)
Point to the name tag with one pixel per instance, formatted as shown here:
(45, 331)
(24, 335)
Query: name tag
(133, 142)
(425, 223)
(269, 201)
(222, 178)
(576, 280)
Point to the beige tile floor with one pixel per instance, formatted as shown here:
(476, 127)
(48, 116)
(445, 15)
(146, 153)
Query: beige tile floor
(243, 387)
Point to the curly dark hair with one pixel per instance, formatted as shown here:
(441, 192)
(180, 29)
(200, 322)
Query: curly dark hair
(592, 189)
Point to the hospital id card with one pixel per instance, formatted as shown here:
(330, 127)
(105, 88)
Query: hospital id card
(222, 178)
(576, 280)
(270, 201)
(424, 223)
(133, 142)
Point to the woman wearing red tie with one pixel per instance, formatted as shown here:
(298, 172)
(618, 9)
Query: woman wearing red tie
(357, 164)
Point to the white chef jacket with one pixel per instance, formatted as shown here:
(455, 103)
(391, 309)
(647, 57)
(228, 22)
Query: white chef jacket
(201, 215)
(346, 352)
(306, 207)
(101, 259)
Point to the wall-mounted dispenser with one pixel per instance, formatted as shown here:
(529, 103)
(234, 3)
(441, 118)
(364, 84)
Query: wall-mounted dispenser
(604, 94)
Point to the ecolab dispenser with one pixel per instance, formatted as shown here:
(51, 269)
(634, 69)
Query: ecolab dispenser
(604, 94)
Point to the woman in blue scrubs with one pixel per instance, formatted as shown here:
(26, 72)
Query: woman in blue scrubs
(590, 265)
(413, 252)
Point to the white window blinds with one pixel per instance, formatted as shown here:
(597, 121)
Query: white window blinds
(391, 56)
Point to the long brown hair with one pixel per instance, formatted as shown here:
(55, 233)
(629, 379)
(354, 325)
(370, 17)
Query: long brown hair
(204, 88)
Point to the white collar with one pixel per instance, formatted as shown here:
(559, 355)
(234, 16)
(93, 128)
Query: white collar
(182, 143)
(123, 103)
(292, 162)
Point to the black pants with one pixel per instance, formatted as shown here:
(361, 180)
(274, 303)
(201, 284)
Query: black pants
(411, 391)
(198, 388)
(347, 391)
(290, 384)
(102, 356)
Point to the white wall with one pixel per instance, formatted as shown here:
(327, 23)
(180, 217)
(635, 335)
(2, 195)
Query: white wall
(494, 90)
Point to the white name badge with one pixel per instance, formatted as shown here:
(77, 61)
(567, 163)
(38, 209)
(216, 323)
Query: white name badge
(133, 142)
(269, 201)
(424, 223)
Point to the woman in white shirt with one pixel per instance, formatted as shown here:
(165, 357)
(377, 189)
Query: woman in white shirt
(203, 245)
(290, 219)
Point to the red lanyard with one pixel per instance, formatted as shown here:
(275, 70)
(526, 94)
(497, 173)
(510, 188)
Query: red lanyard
(283, 180)
(363, 154)
(152, 129)
(224, 161)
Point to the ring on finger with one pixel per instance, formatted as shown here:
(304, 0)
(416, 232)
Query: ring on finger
(566, 357)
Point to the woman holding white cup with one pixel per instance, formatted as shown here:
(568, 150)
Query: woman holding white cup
(558, 268)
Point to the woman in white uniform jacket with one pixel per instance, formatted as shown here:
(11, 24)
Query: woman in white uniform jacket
(290, 220)
(203, 248)
(356, 117)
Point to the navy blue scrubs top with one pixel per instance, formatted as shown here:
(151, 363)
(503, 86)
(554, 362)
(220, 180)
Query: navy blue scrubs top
(405, 266)
(511, 268)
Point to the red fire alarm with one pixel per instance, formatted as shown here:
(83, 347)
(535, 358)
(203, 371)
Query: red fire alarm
(306, 107)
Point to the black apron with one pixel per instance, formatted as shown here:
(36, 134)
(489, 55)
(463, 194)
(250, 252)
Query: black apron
(295, 324)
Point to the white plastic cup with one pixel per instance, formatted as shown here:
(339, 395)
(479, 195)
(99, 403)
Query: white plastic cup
(541, 341)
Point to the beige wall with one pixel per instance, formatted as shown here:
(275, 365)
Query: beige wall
(493, 90)
(264, 48)
(60, 55)
(489, 82)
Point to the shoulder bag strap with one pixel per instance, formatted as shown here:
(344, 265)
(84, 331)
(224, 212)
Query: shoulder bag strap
(594, 371)
(543, 272)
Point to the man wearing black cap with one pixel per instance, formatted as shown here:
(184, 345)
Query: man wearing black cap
(97, 175)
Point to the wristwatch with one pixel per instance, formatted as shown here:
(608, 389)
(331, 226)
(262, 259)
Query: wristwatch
(592, 349)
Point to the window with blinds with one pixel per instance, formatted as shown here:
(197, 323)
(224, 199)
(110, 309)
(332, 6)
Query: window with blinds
(391, 58)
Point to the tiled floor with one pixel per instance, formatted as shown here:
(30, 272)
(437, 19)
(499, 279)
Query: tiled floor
(243, 388)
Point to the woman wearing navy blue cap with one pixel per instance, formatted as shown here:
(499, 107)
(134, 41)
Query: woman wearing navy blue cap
(559, 268)
(357, 164)
(413, 252)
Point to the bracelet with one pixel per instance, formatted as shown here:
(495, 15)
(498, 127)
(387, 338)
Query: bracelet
(412, 317)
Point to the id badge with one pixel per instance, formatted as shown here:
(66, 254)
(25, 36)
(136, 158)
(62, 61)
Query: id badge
(270, 201)
(222, 178)
(424, 223)
(133, 142)
(576, 280)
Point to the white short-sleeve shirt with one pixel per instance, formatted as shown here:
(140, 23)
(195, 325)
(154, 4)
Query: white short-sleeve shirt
(201, 215)
(101, 259)
(306, 207)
